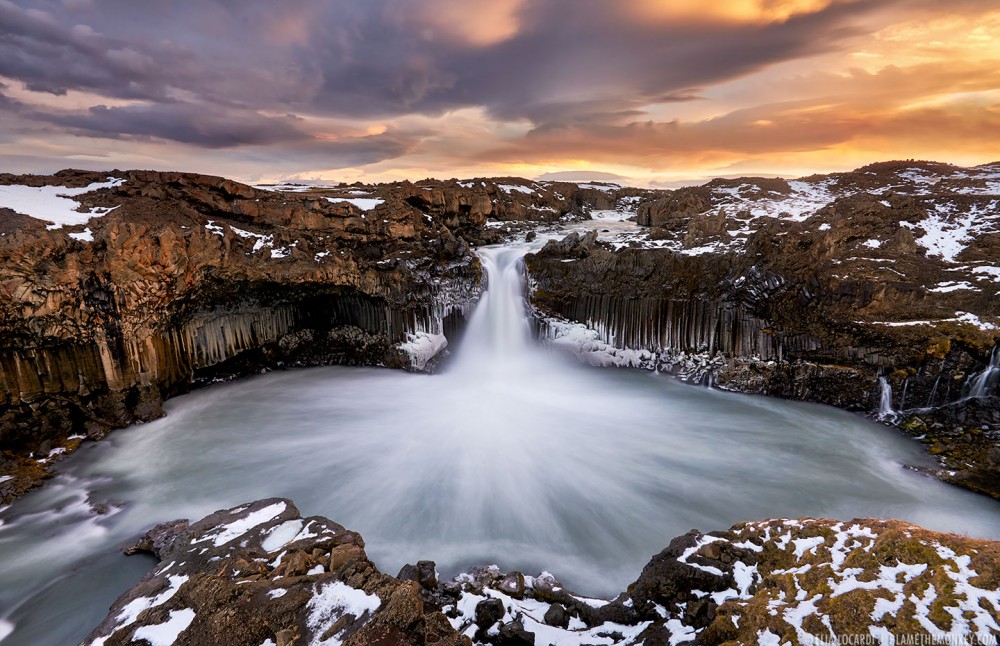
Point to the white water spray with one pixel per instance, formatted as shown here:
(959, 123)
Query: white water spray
(497, 343)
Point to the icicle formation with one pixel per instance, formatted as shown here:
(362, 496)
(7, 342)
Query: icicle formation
(984, 384)
(885, 410)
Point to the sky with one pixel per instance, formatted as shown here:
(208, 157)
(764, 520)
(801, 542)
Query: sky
(654, 91)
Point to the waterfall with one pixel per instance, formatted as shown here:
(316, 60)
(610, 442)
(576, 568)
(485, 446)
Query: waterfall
(498, 338)
(934, 389)
(885, 410)
(984, 383)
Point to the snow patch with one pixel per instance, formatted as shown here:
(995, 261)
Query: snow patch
(953, 286)
(950, 228)
(134, 608)
(85, 236)
(332, 602)
(363, 203)
(991, 272)
(54, 204)
(508, 188)
(803, 545)
(241, 526)
(166, 634)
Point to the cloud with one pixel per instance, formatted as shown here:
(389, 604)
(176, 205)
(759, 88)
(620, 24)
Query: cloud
(639, 83)
(184, 123)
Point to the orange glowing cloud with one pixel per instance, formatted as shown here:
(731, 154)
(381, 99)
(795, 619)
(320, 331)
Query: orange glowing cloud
(394, 89)
(737, 11)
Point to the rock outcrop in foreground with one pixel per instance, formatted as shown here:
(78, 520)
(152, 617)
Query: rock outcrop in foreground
(260, 575)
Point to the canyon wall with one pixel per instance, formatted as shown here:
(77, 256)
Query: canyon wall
(182, 279)
(872, 291)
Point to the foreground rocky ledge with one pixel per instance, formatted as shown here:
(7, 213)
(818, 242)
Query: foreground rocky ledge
(260, 575)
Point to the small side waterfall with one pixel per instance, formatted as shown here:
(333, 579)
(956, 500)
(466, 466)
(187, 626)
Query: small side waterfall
(934, 389)
(985, 383)
(885, 410)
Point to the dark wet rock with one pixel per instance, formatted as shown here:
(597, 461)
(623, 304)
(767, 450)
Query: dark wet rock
(514, 634)
(488, 613)
(572, 246)
(557, 616)
(158, 537)
(424, 573)
(513, 585)
(427, 574)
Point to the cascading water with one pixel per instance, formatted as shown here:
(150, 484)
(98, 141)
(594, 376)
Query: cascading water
(932, 397)
(514, 455)
(885, 410)
(498, 339)
(985, 383)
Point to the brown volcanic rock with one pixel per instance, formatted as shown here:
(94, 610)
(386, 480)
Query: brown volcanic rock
(261, 572)
(258, 574)
(813, 289)
(180, 279)
(192, 277)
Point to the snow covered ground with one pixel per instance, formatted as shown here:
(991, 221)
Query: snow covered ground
(363, 203)
(55, 204)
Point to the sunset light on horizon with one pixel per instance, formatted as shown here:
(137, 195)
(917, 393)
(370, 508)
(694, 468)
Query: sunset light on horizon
(650, 92)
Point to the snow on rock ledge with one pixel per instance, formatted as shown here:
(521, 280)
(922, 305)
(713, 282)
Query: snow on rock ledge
(308, 580)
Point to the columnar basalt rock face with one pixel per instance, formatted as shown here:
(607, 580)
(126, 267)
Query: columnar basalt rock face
(182, 278)
(809, 289)
(261, 574)
(813, 289)
(120, 289)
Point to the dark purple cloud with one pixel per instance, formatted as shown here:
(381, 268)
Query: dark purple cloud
(214, 73)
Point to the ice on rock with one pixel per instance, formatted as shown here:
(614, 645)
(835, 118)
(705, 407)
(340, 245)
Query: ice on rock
(422, 347)
(282, 535)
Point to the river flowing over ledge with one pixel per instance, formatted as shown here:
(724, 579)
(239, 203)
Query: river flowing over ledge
(873, 291)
